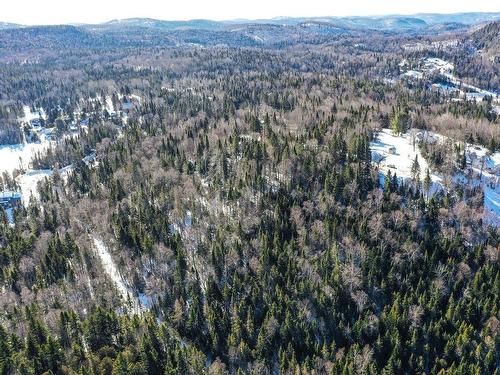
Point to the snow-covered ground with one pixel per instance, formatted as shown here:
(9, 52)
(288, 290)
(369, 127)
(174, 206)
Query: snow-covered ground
(396, 154)
(432, 65)
(29, 180)
(20, 155)
(28, 115)
(28, 183)
(413, 74)
(109, 104)
(486, 169)
(137, 304)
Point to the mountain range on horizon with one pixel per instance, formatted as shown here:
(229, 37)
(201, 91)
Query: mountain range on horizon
(384, 22)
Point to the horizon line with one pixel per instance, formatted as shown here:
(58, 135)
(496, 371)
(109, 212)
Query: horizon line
(276, 18)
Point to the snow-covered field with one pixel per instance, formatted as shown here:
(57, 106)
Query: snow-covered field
(20, 155)
(433, 63)
(29, 180)
(28, 115)
(109, 104)
(486, 169)
(413, 74)
(28, 183)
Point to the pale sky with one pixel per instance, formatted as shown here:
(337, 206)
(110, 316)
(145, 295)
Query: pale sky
(32, 12)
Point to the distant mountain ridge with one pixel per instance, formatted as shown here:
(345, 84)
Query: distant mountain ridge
(7, 25)
(387, 22)
(148, 32)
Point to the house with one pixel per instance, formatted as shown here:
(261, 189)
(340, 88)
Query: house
(36, 124)
(127, 105)
(9, 199)
(90, 159)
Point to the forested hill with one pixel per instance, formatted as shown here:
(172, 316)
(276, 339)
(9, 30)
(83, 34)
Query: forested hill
(487, 38)
(136, 32)
(223, 210)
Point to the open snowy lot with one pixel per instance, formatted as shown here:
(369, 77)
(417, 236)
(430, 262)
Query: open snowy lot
(28, 183)
(19, 156)
(396, 153)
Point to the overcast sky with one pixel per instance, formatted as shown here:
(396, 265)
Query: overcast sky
(93, 11)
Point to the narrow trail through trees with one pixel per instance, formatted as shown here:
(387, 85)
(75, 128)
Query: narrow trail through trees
(131, 301)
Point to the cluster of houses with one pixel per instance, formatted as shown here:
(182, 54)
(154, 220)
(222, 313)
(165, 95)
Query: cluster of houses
(125, 106)
(441, 72)
(34, 122)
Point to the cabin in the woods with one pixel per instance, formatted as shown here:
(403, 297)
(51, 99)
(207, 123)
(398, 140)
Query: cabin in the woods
(9, 199)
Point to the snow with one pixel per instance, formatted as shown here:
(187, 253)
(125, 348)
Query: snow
(396, 153)
(137, 304)
(20, 155)
(445, 87)
(28, 183)
(432, 63)
(257, 38)
(492, 203)
(109, 104)
(445, 69)
(28, 115)
(413, 74)
(136, 97)
(400, 160)
(476, 93)
(486, 167)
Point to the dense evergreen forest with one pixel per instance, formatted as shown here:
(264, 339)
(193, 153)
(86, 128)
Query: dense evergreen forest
(238, 200)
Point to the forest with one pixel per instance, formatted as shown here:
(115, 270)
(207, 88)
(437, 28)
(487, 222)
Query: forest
(215, 208)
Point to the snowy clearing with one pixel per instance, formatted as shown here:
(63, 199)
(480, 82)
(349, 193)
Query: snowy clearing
(431, 65)
(29, 180)
(396, 154)
(28, 183)
(28, 115)
(20, 155)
